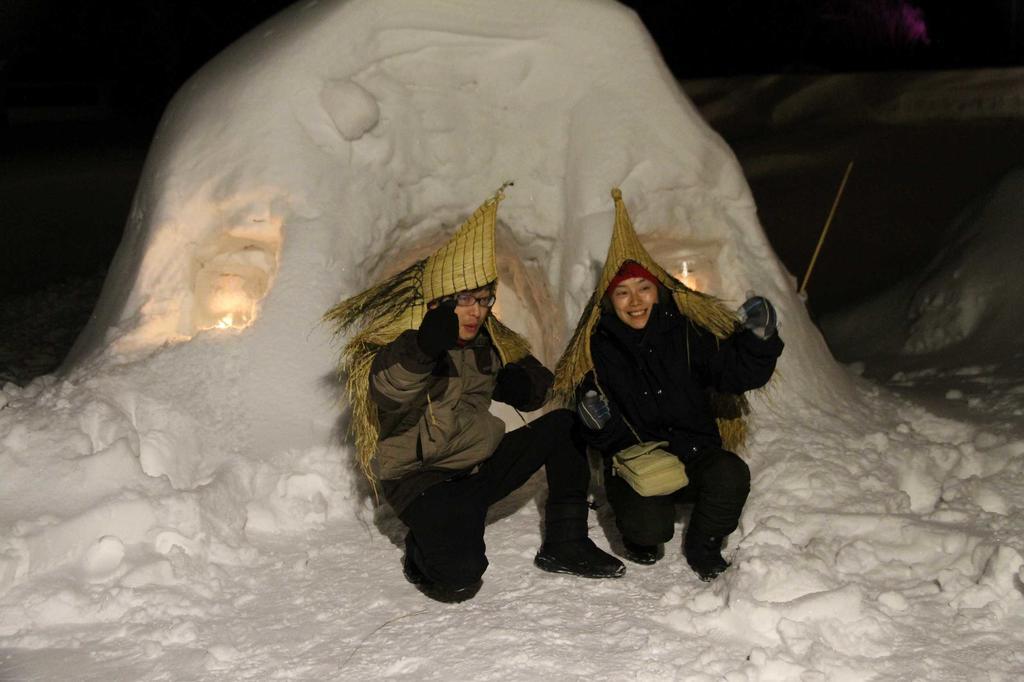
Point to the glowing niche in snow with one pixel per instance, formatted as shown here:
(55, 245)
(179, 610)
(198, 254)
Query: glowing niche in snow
(692, 263)
(226, 300)
(232, 275)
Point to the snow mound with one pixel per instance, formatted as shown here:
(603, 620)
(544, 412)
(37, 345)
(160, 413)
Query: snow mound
(328, 148)
(966, 293)
(963, 303)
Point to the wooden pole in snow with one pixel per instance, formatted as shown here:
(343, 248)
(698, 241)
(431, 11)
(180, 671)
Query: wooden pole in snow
(824, 230)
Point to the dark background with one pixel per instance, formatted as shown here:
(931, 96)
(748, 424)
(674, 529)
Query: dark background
(143, 50)
(86, 80)
(84, 83)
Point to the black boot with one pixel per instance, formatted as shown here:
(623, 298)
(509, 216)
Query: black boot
(578, 557)
(410, 570)
(642, 554)
(451, 595)
(704, 554)
(567, 549)
(437, 592)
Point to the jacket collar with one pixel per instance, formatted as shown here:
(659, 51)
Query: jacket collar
(481, 340)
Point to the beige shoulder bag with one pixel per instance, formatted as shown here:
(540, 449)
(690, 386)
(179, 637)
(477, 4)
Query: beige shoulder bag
(649, 469)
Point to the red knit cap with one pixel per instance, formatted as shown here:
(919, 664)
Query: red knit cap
(629, 270)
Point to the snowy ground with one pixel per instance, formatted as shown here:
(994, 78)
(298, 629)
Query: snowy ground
(882, 540)
(175, 505)
(891, 553)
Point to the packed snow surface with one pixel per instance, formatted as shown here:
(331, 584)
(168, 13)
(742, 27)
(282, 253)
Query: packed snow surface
(179, 502)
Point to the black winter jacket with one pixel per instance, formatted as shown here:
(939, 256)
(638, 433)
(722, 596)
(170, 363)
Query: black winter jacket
(660, 379)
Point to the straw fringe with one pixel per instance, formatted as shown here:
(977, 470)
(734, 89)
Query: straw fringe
(382, 312)
(511, 346)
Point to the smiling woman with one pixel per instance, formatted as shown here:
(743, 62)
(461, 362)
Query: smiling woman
(633, 293)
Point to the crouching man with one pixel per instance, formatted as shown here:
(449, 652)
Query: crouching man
(445, 458)
(441, 458)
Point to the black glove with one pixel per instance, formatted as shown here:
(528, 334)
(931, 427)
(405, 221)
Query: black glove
(594, 410)
(514, 384)
(439, 330)
(758, 315)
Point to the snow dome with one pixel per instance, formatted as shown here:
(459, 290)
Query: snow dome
(343, 139)
(330, 147)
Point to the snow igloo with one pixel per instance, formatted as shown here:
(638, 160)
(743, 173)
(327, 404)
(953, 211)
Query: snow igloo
(340, 140)
(329, 147)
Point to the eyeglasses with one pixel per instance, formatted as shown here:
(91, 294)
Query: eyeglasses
(466, 299)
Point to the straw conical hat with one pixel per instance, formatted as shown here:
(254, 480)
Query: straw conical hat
(382, 312)
(702, 309)
(467, 261)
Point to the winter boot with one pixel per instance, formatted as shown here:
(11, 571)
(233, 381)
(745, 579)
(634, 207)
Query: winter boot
(567, 549)
(642, 554)
(578, 557)
(704, 554)
(451, 595)
(437, 592)
(410, 570)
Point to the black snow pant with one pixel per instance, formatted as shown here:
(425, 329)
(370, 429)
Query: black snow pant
(719, 485)
(446, 521)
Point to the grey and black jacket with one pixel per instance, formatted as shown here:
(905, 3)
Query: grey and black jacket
(435, 420)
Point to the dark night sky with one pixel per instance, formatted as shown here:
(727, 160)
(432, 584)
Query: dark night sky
(147, 48)
(131, 56)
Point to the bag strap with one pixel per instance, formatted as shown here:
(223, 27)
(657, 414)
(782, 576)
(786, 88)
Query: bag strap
(605, 396)
(635, 434)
